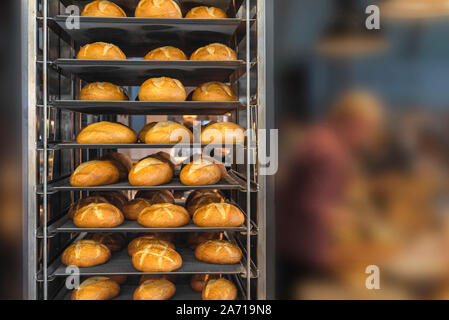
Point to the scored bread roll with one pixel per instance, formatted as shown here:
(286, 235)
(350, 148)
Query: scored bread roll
(165, 54)
(198, 281)
(162, 89)
(84, 202)
(146, 241)
(101, 51)
(165, 132)
(165, 215)
(106, 133)
(102, 8)
(159, 289)
(156, 259)
(86, 253)
(204, 12)
(218, 215)
(123, 163)
(117, 198)
(194, 239)
(219, 289)
(158, 9)
(214, 91)
(96, 288)
(132, 209)
(159, 196)
(114, 241)
(223, 133)
(214, 51)
(102, 91)
(199, 198)
(95, 173)
(218, 252)
(145, 277)
(201, 172)
(152, 171)
(98, 215)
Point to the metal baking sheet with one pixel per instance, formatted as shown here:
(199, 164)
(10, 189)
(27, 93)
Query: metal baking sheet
(148, 107)
(135, 72)
(120, 264)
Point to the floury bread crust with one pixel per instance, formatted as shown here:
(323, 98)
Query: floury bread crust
(86, 253)
(101, 51)
(204, 12)
(158, 9)
(102, 91)
(95, 173)
(214, 51)
(96, 288)
(101, 8)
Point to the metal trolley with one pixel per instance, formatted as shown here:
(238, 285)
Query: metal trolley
(55, 117)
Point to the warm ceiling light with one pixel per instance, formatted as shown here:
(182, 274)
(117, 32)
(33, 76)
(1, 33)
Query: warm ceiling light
(415, 9)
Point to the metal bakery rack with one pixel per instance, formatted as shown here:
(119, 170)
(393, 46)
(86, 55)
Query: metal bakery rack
(55, 116)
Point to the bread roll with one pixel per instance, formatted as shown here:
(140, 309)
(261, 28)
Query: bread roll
(96, 288)
(218, 252)
(214, 91)
(106, 133)
(101, 51)
(145, 277)
(155, 197)
(162, 89)
(165, 132)
(214, 51)
(218, 215)
(98, 215)
(200, 198)
(117, 198)
(103, 9)
(198, 281)
(161, 289)
(132, 209)
(114, 241)
(165, 54)
(158, 9)
(85, 253)
(219, 289)
(151, 171)
(156, 259)
(95, 173)
(120, 279)
(204, 12)
(121, 161)
(194, 239)
(142, 242)
(84, 202)
(223, 133)
(202, 172)
(102, 91)
(165, 215)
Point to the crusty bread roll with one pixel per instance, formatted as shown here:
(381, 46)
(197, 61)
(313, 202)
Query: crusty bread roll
(94, 173)
(214, 91)
(145, 277)
(96, 288)
(101, 51)
(204, 12)
(106, 133)
(201, 172)
(123, 163)
(151, 171)
(214, 51)
(165, 54)
(160, 289)
(84, 202)
(165, 215)
(218, 252)
(101, 8)
(199, 198)
(117, 198)
(159, 196)
(219, 289)
(218, 215)
(98, 215)
(86, 253)
(156, 259)
(158, 9)
(198, 281)
(194, 239)
(132, 209)
(165, 132)
(114, 241)
(144, 241)
(102, 91)
(162, 89)
(223, 133)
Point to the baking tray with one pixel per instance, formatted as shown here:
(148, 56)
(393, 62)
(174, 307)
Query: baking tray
(120, 264)
(148, 107)
(135, 72)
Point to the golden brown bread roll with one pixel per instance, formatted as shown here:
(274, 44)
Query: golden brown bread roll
(223, 133)
(151, 171)
(165, 54)
(214, 91)
(98, 215)
(114, 241)
(160, 289)
(159, 196)
(158, 9)
(201, 172)
(102, 8)
(199, 198)
(121, 161)
(145, 277)
(101, 51)
(106, 133)
(198, 281)
(132, 209)
(218, 215)
(219, 289)
(204, 12)
(165, 215)
(214, 51)
(165, 132)
(147, 241)
(162, 89)
(156, 259)
(102, 91)
(85, 253)
(194, 239)
(218, 252)
(95, 173)
(96, 288)
(84, 202)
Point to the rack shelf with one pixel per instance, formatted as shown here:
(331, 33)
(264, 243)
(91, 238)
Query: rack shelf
(74, 145)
